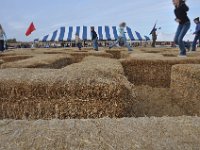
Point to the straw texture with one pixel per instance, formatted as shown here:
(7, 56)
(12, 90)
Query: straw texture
(153, 70)
(179, 133)
(185, 87)
(96, 87)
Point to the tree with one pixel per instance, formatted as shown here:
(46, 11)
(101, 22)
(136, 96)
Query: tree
(12, 40)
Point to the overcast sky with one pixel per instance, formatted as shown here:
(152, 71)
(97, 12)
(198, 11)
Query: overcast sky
(49, 15)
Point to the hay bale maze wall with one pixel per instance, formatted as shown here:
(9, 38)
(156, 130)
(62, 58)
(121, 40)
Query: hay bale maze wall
(1, 62)
(155, 72)
(116, 53)
(80, 55)
(185, 87)
(41, 61)
(179, 133)
(94, 88)
(14, 58)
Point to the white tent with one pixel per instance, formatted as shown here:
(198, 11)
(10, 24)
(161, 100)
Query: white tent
(104, 33)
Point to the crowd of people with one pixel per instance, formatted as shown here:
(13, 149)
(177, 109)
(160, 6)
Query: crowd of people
(182, 19)
(184, 24)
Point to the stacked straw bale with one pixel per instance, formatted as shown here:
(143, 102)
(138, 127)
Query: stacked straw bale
(55, 61)
(185, 87)
(152, 69)
(116, 53)
(13, 58)
(155, 102)
(179, 133)
(1, 61)
(93, 88)
(79, 55)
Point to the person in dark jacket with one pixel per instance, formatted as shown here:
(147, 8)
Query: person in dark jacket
(94, 39)
(78, 41)
(154, 37)
(180, 11)
(2, 39)
(197, 34)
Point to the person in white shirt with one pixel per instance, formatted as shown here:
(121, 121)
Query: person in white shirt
(121, 37)
(2, 39)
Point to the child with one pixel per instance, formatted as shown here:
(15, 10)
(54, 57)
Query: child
(154, 37)
(78, 41)
(197, 34)
(182, 19)
(121, 37)
(94, 39)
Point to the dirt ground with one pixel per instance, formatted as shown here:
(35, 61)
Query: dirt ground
(181, 133)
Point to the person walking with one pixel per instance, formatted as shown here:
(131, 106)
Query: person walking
(121, 37)
(2, 39)
(94, 39)
(180, 11)
(78, 41)
(154, 37)
(197, 34)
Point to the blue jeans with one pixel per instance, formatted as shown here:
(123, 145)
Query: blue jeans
(124, 41)
(180, 33)
(79, 45)
(2, 45)
(95, 44)
(194, 44)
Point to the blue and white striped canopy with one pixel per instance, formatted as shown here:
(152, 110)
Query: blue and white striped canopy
(104, 33)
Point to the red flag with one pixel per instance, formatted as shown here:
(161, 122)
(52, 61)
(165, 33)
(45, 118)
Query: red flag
(30, 29)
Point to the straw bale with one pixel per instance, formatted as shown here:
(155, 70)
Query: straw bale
(155, 102)
(13, 58)
(79, 55)
(116, 53)
(18, 52)
(185, 87)
(35, 51)
(159, 50)
(54, 52)
(180, 133)
(1, 61)
(42, 61)
(152, 69)
(93, 88)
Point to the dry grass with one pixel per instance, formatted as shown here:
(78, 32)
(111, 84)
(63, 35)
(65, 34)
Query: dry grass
(185, 87)
(180, 133)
